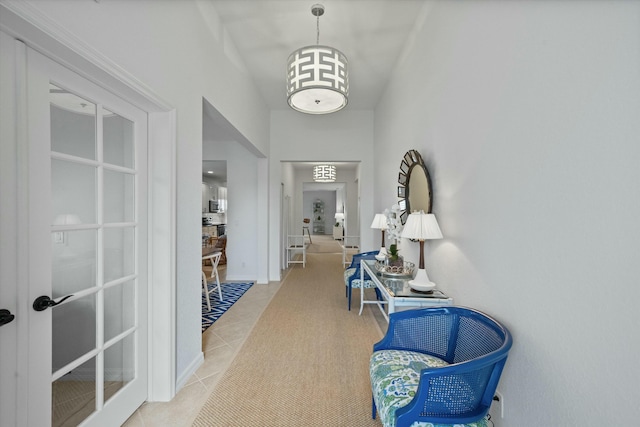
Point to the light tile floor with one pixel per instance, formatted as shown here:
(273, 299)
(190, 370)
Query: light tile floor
(220, 343)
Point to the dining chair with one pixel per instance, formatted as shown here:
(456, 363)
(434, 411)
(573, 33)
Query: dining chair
(215, 259)
(221, 246)
(352, 277)
(350, 245)
(305, 226)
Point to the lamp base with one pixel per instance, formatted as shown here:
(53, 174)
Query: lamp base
(382, 255)
(421, 282)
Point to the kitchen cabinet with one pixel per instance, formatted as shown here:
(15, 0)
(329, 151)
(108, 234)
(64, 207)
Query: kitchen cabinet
(209, 192)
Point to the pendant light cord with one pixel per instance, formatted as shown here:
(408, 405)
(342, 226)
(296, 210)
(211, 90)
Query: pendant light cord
(317, 10)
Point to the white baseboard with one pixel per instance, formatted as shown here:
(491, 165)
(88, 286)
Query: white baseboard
(188, 373)
(238, 278)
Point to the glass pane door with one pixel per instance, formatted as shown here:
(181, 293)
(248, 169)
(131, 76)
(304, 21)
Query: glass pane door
(95, 227)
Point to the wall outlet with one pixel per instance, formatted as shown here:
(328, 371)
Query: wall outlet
(497, 407)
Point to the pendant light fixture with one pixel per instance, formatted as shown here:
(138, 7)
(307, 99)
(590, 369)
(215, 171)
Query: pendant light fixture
(324, 173)
(317, 76)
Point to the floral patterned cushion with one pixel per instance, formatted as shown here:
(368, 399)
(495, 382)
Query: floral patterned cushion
(395, 375)
(356, 283)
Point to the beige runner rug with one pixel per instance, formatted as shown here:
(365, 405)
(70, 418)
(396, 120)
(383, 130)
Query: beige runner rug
(306, 360)
(324, 244)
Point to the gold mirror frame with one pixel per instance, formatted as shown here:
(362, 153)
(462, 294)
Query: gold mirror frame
(414, 191)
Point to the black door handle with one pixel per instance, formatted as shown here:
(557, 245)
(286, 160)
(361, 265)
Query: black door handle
(44, 302)
(6, 317)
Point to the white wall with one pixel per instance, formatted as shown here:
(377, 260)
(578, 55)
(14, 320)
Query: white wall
(289, 225)
(243, 210)
(178, 50)
(288, 181)
(242, 216)
(352, 218)
(528, 115)
(342, 136)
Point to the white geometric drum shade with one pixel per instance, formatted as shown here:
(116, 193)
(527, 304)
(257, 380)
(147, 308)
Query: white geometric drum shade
(324, 173)
(317, 80)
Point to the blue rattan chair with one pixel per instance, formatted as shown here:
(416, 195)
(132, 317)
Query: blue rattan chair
(437, 365)
(352, 275)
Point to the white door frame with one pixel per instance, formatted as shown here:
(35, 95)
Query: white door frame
(9, 260)
(27, 24)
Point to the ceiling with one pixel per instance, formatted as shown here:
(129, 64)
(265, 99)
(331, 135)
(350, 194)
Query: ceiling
(215, 169)
(371, 33)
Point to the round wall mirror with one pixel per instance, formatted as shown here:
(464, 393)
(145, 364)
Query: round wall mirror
(415, 185)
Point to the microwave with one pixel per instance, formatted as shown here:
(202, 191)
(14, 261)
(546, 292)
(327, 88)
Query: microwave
(213, 206)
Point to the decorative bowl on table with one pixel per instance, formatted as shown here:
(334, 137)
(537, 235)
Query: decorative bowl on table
(395, 270)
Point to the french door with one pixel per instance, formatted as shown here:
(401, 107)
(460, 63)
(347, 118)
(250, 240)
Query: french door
(82, 220)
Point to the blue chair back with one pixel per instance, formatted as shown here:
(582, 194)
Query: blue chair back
(355, 263)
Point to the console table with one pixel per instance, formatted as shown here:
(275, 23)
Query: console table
(397, 292)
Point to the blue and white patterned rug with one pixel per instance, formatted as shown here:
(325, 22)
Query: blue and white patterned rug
(231, 292)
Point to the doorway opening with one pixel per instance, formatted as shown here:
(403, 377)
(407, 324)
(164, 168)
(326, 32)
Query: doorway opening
(324, 205)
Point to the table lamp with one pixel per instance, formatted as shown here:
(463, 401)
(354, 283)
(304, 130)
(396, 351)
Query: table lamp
(421, 226)
(380, 223)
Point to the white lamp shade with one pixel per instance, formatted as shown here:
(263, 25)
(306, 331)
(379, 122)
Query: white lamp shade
(421, 226)
(379, 222)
